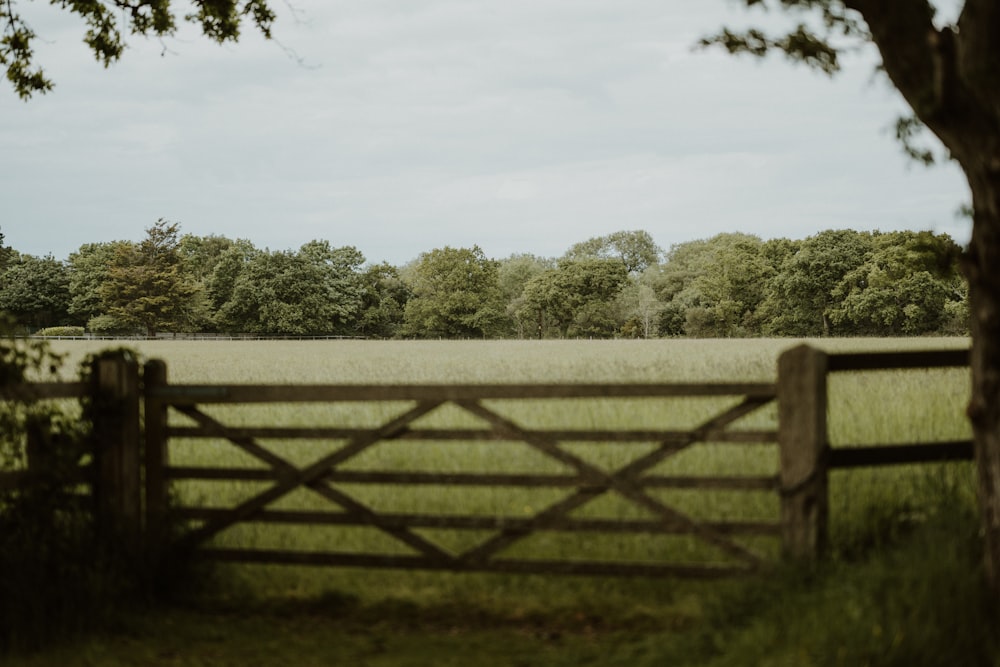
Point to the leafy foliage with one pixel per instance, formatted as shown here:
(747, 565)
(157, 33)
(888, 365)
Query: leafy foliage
(456, 294)
(145, 286)
(837, 282)
(316, 290)
(107, 24)
(384, 298)
(576, 299)
(636, 249)
(46, 535)
(35, 290)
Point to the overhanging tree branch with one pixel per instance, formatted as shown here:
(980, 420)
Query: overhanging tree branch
(108, 21)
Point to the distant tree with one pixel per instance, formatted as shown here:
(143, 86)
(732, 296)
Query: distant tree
(145, 287)
(107, 23)
(35, 291)
(201, 254)
(801, 297)
(5, 253)
(713, 287)
(577, 299)
(456, 294)
(226, 269)
(340, 273)
(904, 286)
(642, 310)
(315, 291)
(514, 273)
(636, 249)
(383, 302)
(88, 269)
(732, 287)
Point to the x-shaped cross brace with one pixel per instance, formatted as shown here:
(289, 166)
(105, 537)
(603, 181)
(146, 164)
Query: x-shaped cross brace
(594, 482)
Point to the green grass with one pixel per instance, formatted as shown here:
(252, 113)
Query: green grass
(852, 610)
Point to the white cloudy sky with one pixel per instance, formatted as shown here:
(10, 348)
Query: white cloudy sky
(517, 125)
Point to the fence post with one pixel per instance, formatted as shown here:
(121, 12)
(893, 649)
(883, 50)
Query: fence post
(155, 375)
(802, 440)
(116, 434)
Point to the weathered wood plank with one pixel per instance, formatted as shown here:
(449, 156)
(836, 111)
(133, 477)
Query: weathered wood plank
(802, 405)
(475, 435)
(202, 394)
(870, 361)
(736, 483)
(462, 522)
(901, 454)
(156, 456)
(118, 479)
(589, 568)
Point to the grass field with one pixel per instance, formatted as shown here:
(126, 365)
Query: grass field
(569, 620)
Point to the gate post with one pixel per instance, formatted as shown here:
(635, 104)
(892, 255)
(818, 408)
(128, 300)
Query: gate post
(116, 436)
(157, 493)
(802, 436)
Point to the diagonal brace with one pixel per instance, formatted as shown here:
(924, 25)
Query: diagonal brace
(311, 476)
(623, 481)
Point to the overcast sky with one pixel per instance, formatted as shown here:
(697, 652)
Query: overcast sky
(407, 125)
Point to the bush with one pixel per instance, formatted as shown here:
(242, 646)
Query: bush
(61, 331)
(106, 324)
(59, 573)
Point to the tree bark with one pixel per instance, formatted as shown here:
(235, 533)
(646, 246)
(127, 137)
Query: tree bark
(951, 79)
(982, 268)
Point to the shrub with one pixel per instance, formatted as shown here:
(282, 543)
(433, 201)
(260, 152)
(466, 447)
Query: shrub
(61, 331)
(105, 324)
(59, 573)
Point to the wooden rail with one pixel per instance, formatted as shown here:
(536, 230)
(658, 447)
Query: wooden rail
(863, 455)
(138, 417)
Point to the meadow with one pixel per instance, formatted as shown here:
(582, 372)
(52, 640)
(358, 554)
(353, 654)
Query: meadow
(901, 586)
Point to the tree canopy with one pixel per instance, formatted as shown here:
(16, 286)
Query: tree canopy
(145, 286)
(456, 294)
(837, 282)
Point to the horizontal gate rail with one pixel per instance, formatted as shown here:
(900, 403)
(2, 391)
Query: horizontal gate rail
(178, 395)
(486, 522)
(858, 456)
(733, 483)
(289, 433)
(877, 361)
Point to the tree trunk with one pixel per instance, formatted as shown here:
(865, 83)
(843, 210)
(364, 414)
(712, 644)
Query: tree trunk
(982, 267)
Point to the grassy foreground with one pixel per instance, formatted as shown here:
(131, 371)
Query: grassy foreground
(903, 586)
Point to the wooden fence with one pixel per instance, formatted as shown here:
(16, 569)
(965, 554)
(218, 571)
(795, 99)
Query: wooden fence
(132, 483)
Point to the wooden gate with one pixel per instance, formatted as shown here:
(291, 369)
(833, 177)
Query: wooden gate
(190, 413)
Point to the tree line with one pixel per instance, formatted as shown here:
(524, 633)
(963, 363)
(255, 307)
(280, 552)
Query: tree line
(836, 282)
